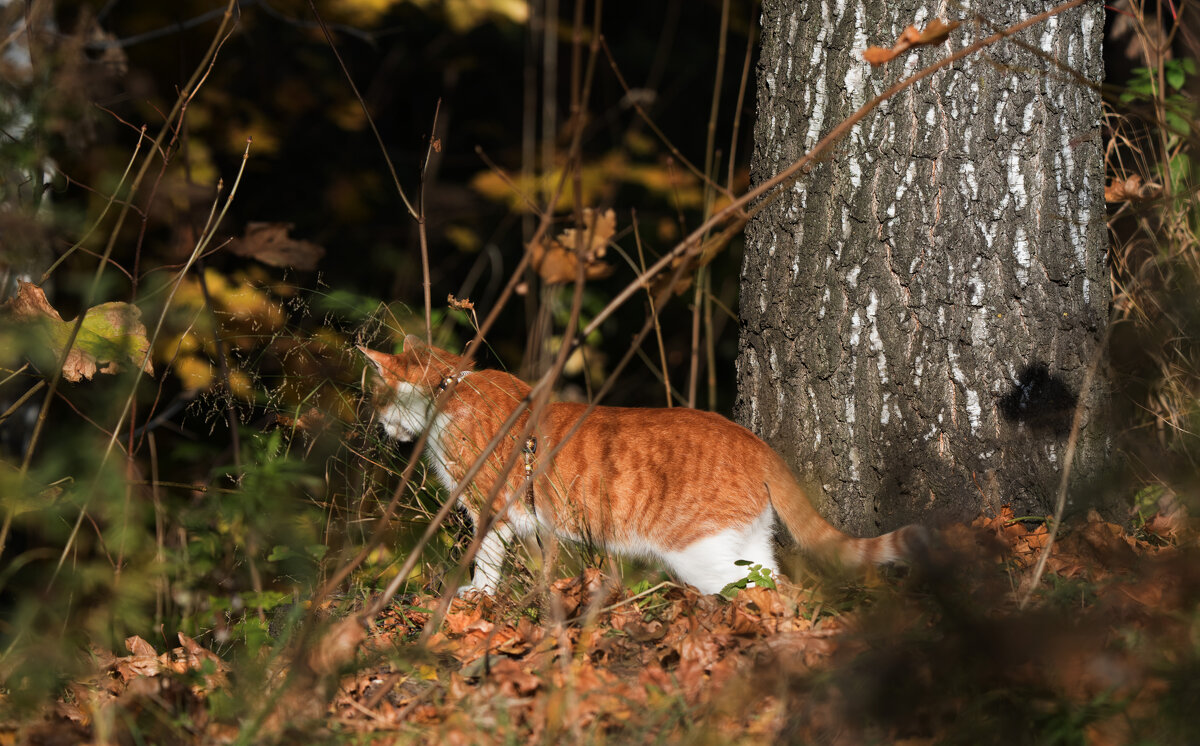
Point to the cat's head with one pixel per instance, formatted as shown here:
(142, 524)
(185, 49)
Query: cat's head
(407, 384)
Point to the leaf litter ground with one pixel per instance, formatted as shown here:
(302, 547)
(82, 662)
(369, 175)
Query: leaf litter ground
(1106, 654)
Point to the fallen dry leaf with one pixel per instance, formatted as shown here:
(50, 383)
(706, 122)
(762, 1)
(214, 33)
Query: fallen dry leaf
(1131, 190)
(557, 260)
(270, 244)
(462, 304)
(337, 647)
(934, 33)
(138, 646)
(1171, 522)
(311, 421)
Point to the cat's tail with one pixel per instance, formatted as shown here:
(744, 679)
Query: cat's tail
(818, 536)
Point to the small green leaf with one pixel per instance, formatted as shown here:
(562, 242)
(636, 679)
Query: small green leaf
(1176, 124)
(1175, 76)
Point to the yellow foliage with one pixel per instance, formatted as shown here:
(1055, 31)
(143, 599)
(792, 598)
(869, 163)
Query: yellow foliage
(365, 11)
(349, 115)
(345, 195)
(328, 340)
(248, 316)
(263, 130)
(460, 14)
(194, 373)
(178, 345)
(467, 14)
(240, 385)
(247, 303)
(599, 181)
(464, 238)
(201, 170)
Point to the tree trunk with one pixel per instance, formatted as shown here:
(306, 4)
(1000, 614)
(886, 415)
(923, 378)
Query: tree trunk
(920, 310)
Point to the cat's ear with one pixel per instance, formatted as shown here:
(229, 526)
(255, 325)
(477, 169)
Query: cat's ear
(376, 359)
(413, 342)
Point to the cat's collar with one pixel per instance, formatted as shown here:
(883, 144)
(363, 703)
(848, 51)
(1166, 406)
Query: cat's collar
(445, 382)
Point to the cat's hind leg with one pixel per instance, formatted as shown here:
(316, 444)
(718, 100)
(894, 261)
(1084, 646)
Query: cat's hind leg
(488, 560)
(710, 563)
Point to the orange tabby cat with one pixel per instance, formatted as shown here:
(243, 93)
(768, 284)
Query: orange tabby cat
(688, 488)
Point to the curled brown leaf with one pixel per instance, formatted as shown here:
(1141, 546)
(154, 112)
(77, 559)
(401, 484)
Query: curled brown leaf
(270, 244)
(935, 32)
(1131, 190)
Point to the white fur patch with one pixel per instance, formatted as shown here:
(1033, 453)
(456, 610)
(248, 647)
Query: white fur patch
(407, 413)
(708, 563)
(488, 561)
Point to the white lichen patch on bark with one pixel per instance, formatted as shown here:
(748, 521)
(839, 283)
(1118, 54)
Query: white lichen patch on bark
(989, 227)
(816, 415)
(979, 328)
(1021, 254)
(875, 341)
(1016, 179)
(820, 99)
(856, 173)
(974, 410)
(855, 85)
(752, 373)
(909, 175)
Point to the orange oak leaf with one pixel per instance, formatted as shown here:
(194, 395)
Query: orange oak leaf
(557, 259)
(1130, 190)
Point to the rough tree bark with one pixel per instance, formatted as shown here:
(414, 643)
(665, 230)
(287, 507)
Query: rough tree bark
(920, 311)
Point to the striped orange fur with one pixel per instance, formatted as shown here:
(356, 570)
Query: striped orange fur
(688, 488)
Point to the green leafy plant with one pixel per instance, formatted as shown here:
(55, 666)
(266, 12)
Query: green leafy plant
(757, 574)
(1179, 110)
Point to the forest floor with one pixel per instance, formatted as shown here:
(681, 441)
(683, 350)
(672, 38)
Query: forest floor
(1106, 652)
